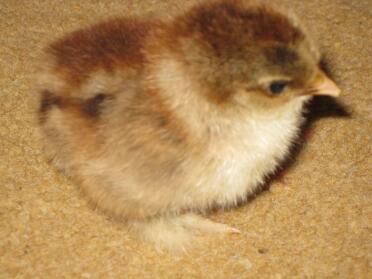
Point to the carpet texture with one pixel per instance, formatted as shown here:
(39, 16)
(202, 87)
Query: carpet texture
(313, 222)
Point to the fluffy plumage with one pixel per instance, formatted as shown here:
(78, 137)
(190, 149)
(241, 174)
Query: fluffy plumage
(159, 121)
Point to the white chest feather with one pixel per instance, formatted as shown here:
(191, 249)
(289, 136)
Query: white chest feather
(239, 161)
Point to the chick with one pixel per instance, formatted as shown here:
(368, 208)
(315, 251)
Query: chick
(160, 121)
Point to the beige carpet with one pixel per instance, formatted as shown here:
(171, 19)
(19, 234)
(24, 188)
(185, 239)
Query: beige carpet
(315, 222)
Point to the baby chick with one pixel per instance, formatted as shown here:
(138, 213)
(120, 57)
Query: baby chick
(160, 121)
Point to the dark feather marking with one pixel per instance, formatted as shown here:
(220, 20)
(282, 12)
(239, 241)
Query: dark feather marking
(93, 106)
(48, 100)
(282, 55)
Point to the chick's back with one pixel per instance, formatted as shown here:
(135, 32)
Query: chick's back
(96, 118)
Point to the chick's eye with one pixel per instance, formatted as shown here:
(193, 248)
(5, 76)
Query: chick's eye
(278, 87)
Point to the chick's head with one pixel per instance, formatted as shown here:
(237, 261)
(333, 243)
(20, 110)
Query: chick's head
(248, 53)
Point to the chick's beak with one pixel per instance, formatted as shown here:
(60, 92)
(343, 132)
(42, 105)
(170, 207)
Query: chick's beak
(323, 85)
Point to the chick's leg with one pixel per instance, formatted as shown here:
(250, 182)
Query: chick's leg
(176, 233)
(201, 224)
